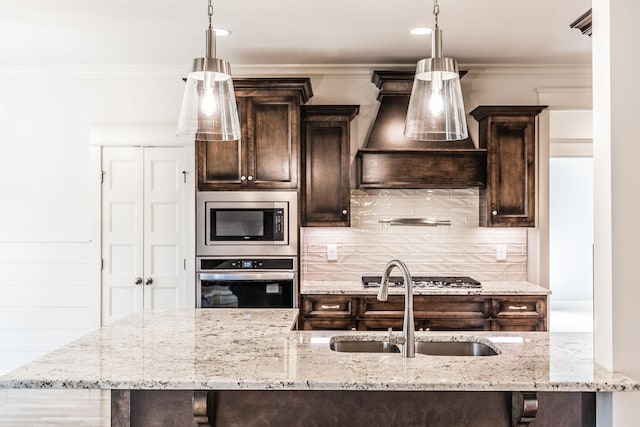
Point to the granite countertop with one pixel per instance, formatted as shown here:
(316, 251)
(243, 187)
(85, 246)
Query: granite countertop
(327, 287)
(256, 349)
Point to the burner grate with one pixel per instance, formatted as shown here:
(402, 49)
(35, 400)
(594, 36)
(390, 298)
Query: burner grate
(450, 282)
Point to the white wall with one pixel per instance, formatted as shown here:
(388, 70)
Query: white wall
(616, 92)
(46, 116)
(48, 290)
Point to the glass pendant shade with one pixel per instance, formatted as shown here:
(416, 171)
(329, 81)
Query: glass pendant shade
(436, 110)
(209, 106)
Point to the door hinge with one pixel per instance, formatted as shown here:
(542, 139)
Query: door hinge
(101, 177)
(102, 264)
(184, 263)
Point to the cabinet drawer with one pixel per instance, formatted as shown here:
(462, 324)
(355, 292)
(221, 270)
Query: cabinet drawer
(519, 307)
(519, 324)
(327, 306)
(328, 324)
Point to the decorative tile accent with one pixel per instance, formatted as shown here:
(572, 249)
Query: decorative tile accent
(462, 248)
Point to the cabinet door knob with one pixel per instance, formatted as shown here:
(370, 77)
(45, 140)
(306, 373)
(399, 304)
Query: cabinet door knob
(344, 211)
(149, 281)
(138, 281)
(494, 213)
(243, 178)
(250, 178)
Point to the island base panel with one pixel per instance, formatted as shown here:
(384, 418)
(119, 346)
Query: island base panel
(341, 407)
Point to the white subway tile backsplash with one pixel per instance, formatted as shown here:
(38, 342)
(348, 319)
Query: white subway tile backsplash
(462, 248)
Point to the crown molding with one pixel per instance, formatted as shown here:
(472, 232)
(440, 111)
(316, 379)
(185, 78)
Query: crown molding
(297, 70)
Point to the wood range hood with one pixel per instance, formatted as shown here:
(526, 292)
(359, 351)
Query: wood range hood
(389, 160)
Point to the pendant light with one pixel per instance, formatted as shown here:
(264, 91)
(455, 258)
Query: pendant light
(436, 111)
(209, 103)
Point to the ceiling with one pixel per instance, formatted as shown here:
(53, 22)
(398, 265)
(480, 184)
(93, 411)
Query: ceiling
(171, 32)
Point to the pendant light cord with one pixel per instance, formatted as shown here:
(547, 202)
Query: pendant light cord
(210, 10)
(436, 11)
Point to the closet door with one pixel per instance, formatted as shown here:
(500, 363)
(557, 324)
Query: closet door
(122, 232)
(164, 228)
(143, 230)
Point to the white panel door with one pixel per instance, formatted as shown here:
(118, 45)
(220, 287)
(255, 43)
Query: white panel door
(163, 228)
(122, 232)
(143, 230)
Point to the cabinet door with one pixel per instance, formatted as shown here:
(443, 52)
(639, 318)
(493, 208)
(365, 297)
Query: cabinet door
(326, 160)
(509, 135)
(510, 192)
(222, 165)
(273, 134)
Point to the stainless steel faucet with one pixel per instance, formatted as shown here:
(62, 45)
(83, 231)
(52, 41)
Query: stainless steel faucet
(408, 327)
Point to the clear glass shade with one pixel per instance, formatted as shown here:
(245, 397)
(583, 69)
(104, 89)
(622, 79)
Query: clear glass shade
(436, 110)
(209, 107)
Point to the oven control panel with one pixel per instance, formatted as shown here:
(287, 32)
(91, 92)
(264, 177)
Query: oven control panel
(208, 264)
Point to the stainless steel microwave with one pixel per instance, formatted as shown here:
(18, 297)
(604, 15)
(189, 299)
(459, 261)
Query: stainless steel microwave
(232, 223)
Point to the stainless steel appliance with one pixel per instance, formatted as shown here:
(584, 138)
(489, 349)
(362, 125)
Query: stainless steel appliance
(247, 282)
(425, 282)
(246, 223)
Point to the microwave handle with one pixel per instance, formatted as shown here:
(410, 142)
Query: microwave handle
(230, 277)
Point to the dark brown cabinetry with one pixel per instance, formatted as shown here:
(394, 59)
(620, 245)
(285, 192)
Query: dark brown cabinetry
(329, 312)
(325, 162)
(433, 312)
(267, 154)
(509, 135)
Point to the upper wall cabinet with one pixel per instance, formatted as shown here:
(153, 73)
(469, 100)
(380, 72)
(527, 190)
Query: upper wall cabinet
(266, 156)
(509, 135)
(326, 159)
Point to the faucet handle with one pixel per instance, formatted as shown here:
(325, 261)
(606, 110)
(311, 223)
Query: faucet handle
(395, 340)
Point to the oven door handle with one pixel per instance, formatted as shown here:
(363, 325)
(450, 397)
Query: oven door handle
(231, 277)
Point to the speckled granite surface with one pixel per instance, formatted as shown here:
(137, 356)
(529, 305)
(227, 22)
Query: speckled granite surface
(255, 349)
(355, 288)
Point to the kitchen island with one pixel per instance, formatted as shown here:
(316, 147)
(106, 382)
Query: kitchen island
(225, 366)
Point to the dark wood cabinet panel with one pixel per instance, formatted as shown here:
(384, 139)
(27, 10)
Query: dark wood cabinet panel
(328, 306)
(273, 125)
(431, 312)
(267, 155)
(330, 312)
(519, 313)
(509, 135)
(326, 164)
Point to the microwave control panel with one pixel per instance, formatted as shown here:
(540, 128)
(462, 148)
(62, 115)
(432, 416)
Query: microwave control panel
(278, 225)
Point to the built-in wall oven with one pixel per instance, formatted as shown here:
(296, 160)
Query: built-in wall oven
(247, 282)
(247, 249)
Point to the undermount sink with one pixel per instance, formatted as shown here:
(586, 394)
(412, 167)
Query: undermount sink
(364, 347)
(454, 348)
(347, 344)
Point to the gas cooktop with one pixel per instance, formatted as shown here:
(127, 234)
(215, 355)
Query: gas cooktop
(462, 282)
